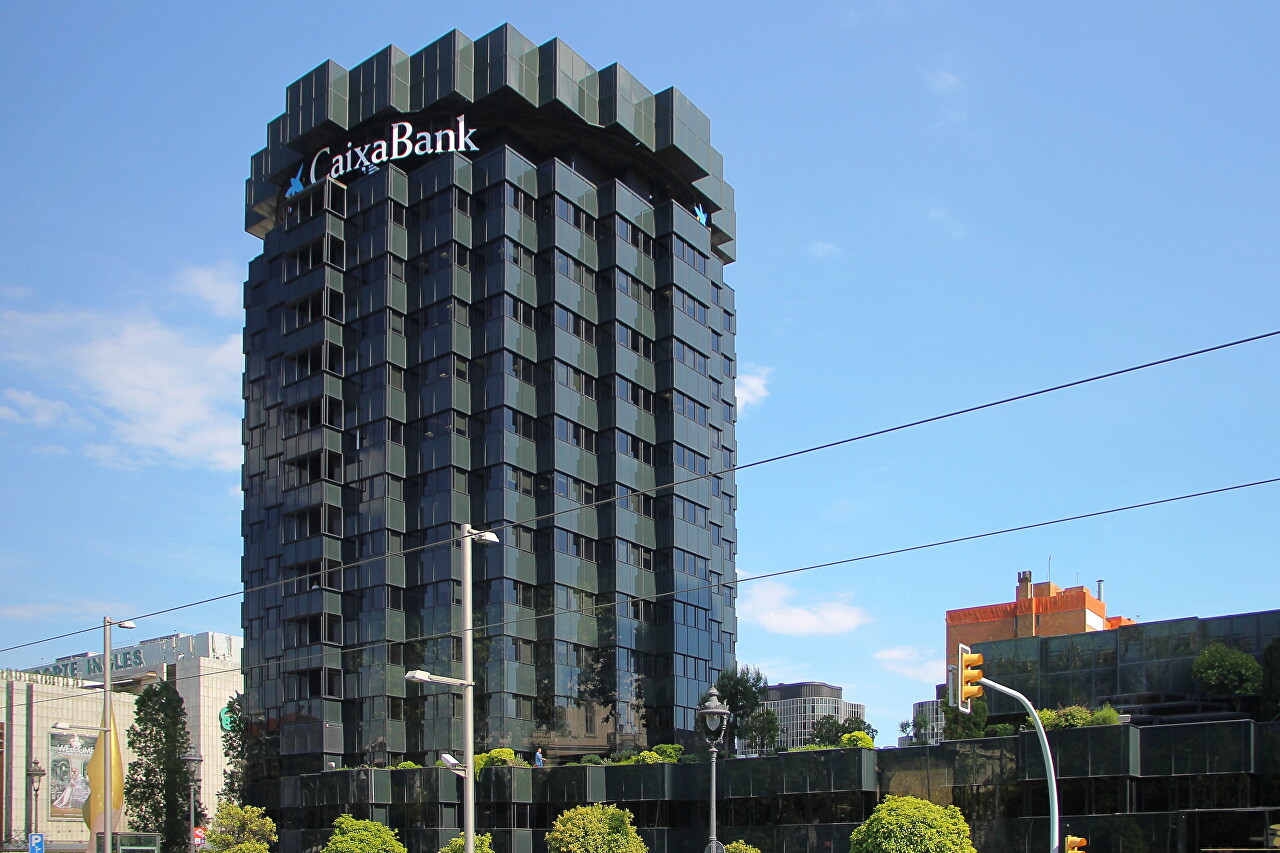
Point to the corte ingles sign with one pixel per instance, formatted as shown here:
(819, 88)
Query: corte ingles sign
(401, 140)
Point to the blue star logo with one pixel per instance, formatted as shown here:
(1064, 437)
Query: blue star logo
(295, 183)
(700, 214)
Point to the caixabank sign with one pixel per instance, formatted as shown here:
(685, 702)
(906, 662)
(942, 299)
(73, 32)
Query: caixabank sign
(400, 140)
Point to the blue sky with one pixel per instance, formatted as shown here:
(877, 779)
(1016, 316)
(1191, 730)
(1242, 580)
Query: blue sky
(939, 204)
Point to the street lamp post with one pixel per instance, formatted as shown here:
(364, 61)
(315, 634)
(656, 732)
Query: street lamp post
(712, 716)
(192, 759)
(35, 775)
(468, 684)
(109, 735)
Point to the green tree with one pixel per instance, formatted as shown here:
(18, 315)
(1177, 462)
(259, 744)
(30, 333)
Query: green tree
(158, 783)
(1223, 671)
(742, 689)
(362, 836)
(911, 825)
(958, 726)
(850, 740)
(917, 729)
(760, 731)
(457, 844)
(826, 731)
(594, 829)
(857, 724)
(240, 829)
(1270, 688)
(235, 743)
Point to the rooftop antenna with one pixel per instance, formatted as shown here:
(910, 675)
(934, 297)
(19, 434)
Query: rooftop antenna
(1050, 577)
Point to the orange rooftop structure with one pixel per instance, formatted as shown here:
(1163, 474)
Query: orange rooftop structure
(1040, 610)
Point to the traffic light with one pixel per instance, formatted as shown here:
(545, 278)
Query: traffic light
(1073, 843)
(967, 678)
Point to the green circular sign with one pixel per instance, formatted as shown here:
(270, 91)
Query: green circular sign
(226, 717)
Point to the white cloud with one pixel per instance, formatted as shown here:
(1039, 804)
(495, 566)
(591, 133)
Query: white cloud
(220, 286)
(943, 82)
(147, 391)
(13, 291)
(752, 384)
(823, 249)
(910, 662)
(31, 408)
(50, 450)
(768, 603)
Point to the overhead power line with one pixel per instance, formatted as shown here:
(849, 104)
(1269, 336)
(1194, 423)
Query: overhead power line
(654, 489)
(593, 610)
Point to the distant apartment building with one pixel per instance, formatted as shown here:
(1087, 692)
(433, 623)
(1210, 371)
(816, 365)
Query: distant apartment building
(802, 704)
(205, 669)
(930, 714)
(1039, 610)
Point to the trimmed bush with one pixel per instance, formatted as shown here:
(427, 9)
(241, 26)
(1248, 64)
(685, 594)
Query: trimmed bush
(594, 829)
(912, 825)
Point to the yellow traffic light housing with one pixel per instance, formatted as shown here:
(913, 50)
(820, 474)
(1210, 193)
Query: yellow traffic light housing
(1074, 842)
(967, 678)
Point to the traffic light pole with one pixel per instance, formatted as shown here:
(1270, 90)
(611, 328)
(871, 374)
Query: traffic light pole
(1050, 776)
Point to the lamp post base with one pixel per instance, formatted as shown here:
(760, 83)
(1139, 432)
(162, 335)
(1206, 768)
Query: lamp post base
(714, 846)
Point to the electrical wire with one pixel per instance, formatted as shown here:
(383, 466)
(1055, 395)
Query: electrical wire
(592, 610)
(655, 489)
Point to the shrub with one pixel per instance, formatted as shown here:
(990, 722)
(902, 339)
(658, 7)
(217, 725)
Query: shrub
(911, 825)
(457, 844)
(670, 752)
(594, 829)
(623, 756)
(862, 740)
(1104, 716)
(999, 730)
(240, 829)
(740, 847)
(648, 756)
(407, 765)
(362, 836)
(1223, 671)
(591, 759)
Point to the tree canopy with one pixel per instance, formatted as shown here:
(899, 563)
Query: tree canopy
(849, 740)
(362, 836)
(594, 829)
(1270, 689)
(742, 689)
(240, 829)
(912, 825)
(827, 730)
(958, 726)
(158, 784)
(457, 844)
(235, 745)
(760, 731)
(1223, 671)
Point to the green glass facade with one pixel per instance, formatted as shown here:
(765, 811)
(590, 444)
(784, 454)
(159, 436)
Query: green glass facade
(1154, 789)
(491, 291)
(1143, 669)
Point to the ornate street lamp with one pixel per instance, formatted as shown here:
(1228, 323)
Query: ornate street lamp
(35, 775)
(193, 759)
(713, 716)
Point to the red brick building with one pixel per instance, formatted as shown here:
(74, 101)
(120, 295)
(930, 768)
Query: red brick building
(1040, 610)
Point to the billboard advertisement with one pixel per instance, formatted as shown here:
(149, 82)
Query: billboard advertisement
(69, 755)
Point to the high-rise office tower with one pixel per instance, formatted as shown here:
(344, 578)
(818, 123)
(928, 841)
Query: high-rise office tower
(490, 292)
